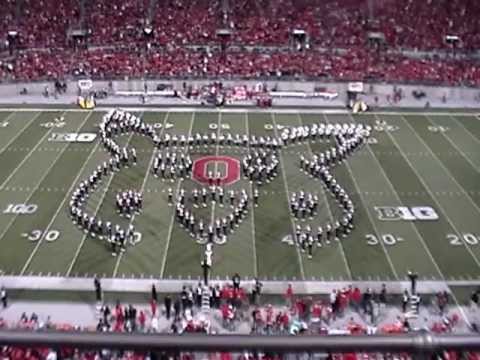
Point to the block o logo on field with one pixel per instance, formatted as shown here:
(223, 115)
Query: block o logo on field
(228, 166)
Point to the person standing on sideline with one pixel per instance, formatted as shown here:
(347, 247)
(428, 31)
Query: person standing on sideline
(4, 296)
(154, 293)
(177, 307)
(153, 307)
(168, 306)
(256, 291)
(405, 300)
(383, 296)
(236, 281)
(289, 296)
(413, 282)
(198, 295)
(98, 289)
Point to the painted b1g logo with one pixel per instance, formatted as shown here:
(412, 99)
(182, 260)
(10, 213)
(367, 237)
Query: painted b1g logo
(393, 213)
(228, 166)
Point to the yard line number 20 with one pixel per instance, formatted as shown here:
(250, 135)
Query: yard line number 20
(463, 239)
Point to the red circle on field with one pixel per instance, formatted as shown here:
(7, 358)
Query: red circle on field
(232, 165)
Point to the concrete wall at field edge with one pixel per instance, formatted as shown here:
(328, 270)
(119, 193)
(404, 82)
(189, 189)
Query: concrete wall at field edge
(434, 94)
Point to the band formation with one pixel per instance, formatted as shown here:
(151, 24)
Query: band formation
(260, 165)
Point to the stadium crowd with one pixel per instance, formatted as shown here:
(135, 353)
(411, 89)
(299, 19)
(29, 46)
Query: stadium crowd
(355, 65)
(332, 23)
(112, 23)
(345, 23)
(338, 27)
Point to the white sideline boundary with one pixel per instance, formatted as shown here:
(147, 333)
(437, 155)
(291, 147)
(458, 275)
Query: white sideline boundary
(289, 110)
(58, 283)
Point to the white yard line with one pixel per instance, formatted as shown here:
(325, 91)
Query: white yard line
(34, 189)
(172, 220)
(443, 166)
(287, 193)
(387, 255)
(39, 242)
(460, 308)
(330, 214)
(21, 131)
(142, 189)
(394, 192)
(464, 128)
(26, 158)
(84, 237)
(291, 110)
(215, 168)
(254, 238)
(12, 113)
(199, 108)
(433, 197)
(454, 145)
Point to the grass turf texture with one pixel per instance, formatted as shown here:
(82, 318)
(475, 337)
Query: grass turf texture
(421, 161)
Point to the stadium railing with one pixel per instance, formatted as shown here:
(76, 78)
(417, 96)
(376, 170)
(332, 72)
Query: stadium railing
(421, 343)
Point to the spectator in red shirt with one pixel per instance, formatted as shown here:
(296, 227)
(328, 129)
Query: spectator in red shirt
(300, 308)
(142, 320)
(289, 295)
(342, 300)
(153, 307)
(285, 321)
(356, 298)
(316, 313)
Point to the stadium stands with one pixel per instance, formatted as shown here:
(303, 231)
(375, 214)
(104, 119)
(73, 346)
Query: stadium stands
(424, 24)
(332, 24)
(354, 65)
(44, 23)
(173, 22)
(337, 32)
(344, 23)
(113, 23)
(327, 23)
(7, 17)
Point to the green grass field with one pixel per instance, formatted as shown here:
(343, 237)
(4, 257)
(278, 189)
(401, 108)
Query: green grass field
(417, 160)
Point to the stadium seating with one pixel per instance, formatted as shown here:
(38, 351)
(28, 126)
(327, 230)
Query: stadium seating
(112, 22)
(44, 23)
(406, 24)
(7, 17)
(186, 22)
(424, 24)
(355, 65)
(338, 25)
(410, 24)
(328, 23)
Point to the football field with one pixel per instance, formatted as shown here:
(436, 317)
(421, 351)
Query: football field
(415, 187)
